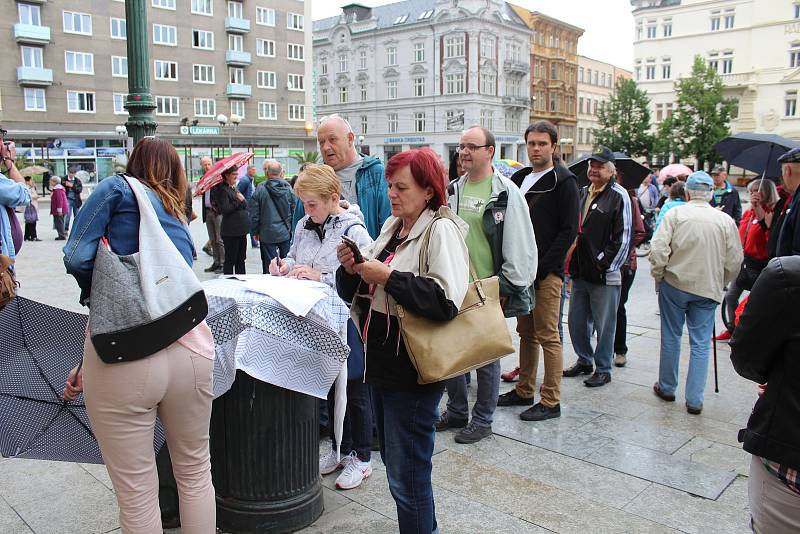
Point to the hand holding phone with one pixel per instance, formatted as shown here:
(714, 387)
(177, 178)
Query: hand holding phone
(353, 246)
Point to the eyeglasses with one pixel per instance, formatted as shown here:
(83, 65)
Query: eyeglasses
(469, 147)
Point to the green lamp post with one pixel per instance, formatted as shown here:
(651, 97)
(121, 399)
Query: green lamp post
(139, 102)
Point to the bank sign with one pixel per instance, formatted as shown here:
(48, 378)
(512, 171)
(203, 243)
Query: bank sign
(403, 140)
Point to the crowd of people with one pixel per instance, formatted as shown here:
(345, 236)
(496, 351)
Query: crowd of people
(538, 231)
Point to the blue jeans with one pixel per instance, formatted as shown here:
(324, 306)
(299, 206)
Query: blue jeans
(488, 391)
(72, 211)
(406, 428)
(272, 250)
(698, 312)
(593, 305)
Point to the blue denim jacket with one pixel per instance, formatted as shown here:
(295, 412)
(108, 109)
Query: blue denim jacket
(111, 210)
(12, 194)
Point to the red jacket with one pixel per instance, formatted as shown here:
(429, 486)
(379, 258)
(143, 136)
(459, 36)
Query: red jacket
(754, 234)
(58, 199)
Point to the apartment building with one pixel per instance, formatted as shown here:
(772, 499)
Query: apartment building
(62, 95)
(597, 83)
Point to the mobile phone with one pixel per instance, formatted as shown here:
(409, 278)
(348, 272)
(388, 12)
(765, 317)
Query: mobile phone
(353, 246)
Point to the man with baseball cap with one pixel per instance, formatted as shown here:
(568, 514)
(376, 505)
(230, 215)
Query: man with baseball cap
(694, 254)
(725, 197)
(789, 231)
(600, 250)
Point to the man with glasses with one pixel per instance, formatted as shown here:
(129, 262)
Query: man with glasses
(500, 243)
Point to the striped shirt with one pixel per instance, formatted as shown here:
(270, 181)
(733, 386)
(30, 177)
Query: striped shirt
(788, 476)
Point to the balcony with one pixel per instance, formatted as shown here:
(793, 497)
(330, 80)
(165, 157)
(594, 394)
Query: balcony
(516, 102)
(237, 25)
(742, 79)
(30, 34)
(235, 58)
(515, 67)
(238, 90)
(34, 76)
(35, 1)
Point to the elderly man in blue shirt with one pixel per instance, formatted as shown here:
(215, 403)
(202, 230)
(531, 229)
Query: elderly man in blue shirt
(13, 193)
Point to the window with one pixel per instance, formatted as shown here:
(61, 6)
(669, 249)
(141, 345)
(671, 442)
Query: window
(391, 122)
(603, 79)
(30, 14)
(391, 89)
(343, 63)
(119, 28)
(715, 19)
(265, 16)
(552, 102)
(363, 92)
(203, 39)
(580, 104)
(639, 28)
(237, 108)
(401, 19)
(297, 112)
(659, 112)
(296, 82)
(343, 96)
(667, 27)
(727, 62)
(553, 71)
(713, 61)
(796, 10)
(454, 84)
(265, 47)
(580, 74)
(205, 107)
(295, 21)
(419, 86)
(425, 15)
(235, 42)
(164, 4)
(323, 96)
(790, 104)
(203, 7)
(34, 99)
(32, 57)
(235, 75)
(168, 70)
(650, 70)
(651, 29)
(78, 23)
(487, 47)
(265, 79)
(454, 46)
(666, 68)
(513, 52)
(364, 124)
(202, 73)
(419, 121)
(487, 119)
(637, 70)
(391, 55)
(119, 66)
(488, 84)
(79, 62)
(729, 18)
(513, 87)
(167, 105)
(362, 59)
(794, 54)
(419, 52)
(80, 102)
(119, 104)
(235, 10)
(323, 67)
(165, 35)
(295, 52)
(267, 111)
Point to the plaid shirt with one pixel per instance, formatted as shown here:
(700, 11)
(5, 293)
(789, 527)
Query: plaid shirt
(789, 476)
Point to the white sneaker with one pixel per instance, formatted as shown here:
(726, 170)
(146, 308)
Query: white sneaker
(355, 471)
(328, 463)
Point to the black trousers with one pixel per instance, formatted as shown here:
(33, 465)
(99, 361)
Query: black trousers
(30, 231)
(620, 347)
(235, 253)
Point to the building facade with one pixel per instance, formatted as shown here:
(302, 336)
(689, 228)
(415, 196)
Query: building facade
(416, 73)
(753, 44)
(597, 83)
(63, 100)
(554, 74)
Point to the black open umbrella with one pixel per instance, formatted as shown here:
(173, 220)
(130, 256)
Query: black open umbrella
(755, 152)
(40, 344)
(632, 171)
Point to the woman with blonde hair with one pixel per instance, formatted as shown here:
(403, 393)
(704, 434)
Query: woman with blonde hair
(175, 384)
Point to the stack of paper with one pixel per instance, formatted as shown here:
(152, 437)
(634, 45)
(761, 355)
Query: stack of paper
(297, 296)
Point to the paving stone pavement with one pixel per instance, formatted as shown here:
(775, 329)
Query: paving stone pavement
(618, 460)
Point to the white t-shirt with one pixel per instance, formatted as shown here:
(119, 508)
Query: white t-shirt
(347, 176)
(531, 180)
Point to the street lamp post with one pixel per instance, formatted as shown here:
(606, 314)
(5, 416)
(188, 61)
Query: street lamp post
(231, 124)
(139, 102)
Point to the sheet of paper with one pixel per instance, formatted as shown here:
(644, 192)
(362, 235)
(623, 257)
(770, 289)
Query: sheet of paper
(298, 296)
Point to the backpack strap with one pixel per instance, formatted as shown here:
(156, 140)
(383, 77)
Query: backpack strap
(352, 225)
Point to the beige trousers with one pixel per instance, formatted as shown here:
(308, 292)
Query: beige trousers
(540, 329)
(122, 401)
(774, 508)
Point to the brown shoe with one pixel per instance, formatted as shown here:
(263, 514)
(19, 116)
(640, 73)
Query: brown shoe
(661, 395)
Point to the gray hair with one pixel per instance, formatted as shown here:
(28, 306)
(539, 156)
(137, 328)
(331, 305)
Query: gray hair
(55, 179)
(273, 166)
(700, 194)
(609, 165)
(769, 193)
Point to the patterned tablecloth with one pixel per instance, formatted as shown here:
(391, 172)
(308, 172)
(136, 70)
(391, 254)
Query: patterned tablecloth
(256, 334)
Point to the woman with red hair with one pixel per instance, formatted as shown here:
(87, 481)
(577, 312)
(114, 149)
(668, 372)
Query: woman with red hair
(405, 411)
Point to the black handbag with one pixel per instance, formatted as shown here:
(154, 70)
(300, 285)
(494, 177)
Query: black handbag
(748, 274)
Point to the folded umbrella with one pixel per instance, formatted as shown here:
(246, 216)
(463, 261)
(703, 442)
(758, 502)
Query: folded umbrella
(755, 152)
(674, 169)
(214, 174)
(632, 172)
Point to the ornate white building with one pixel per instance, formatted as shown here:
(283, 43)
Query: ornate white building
(416, 73)
(753, 44)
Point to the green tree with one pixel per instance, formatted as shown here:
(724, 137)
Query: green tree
(702, 114)
(625, 121)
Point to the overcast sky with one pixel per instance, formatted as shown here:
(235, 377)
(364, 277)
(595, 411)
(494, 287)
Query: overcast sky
(608, 24)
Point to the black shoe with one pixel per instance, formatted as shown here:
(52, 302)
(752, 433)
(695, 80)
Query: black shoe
(597, 380)
(694, 410)
(35, 239)
(579, 369)
(540, 412)
(661, 395)
(212, 268)
(218, 270)
(473, 433)
(512, 398)
(447, 421)
(207, 250)
(59, 238)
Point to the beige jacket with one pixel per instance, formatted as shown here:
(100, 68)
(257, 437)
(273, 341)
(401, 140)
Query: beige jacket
(448, 263)
(696, 249)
